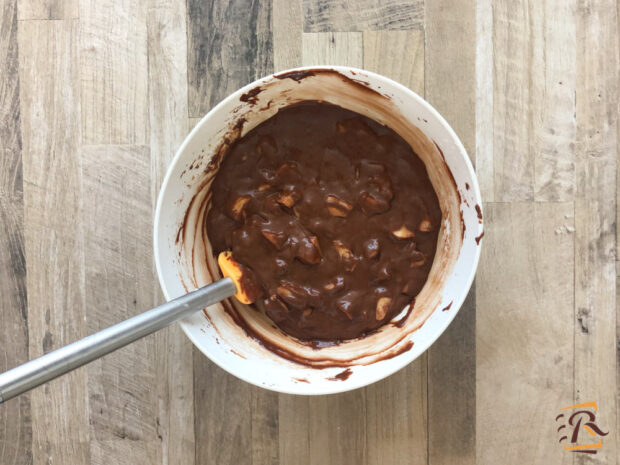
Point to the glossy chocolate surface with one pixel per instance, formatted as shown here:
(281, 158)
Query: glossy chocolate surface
(333, 213)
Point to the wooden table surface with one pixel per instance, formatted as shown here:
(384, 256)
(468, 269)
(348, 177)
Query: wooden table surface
(95, 98)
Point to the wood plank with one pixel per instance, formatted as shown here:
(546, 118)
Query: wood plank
(362, 15)
(484, 99)
(223, 413)
(337, 428)
(451, 360)
(333, 48)
(229, 46)
(123, 386)
(553, 105)
(287, 29)
(450, 22)
(49, 96)
(168, 126)
(10, 131)
(15, 415)
(617, 351)
(101, 451)
(534, 100)
(293, 431)
(524, 331)
(167, 78)
(396, 417)
(176, 402)
(398, 55)
(595, 223)
(265, 427)
(452, 390)
(113, 71)
(47, 9)
(513, 163)
(396, 408)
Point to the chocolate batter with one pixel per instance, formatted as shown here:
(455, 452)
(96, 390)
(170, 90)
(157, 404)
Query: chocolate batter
(333, 213)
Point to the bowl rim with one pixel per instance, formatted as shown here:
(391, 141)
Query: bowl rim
(404, 359)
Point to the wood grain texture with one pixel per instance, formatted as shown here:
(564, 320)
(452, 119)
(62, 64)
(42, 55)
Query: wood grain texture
(265, 427)
(167, 78)
(49, 102)
(449, 22)
(10, 130)
(123, 386)
(229, 46)
(452, 431)
(223, 415)
(287, 29)
(524, 344)
(553, 105)
(176, 397)
(362, 15)
(617, 354)
(484, 99)
(513, 161)
(293, 429)
(128, 451)
(113, 72)
(396, 417)
(168, 126)
(47, 9)
(15, 417)
(534, 100)
(337, 429)
(398, 55)
(451, 360)
(595, 223)
(333, 48)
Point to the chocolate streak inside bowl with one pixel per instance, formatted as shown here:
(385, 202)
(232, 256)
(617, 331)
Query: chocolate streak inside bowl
(198, 267)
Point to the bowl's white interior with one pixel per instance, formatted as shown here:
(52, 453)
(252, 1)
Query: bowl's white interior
(183, 264)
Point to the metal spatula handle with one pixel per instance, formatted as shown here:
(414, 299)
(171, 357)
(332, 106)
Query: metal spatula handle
(40, 370)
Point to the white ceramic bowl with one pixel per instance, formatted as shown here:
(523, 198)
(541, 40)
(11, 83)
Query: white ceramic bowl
(181, 253)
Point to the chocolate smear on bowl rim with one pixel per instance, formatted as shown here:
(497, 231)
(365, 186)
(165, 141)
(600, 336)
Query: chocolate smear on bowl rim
(342, 376)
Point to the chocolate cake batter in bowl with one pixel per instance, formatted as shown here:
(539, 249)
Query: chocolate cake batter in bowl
(355, 208)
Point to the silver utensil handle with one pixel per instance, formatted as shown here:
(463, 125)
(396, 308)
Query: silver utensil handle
(56, 363)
